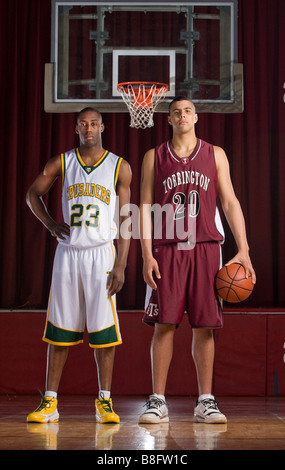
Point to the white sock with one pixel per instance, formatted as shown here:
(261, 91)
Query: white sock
(104, 394)
(205, 396)
(51, 394)
(162, 397)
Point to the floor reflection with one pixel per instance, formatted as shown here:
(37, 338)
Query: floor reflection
(254, 423)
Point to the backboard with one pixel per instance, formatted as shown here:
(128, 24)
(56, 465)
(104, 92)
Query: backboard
(191, 46)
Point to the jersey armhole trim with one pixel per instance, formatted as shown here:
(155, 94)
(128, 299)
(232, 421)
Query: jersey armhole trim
(62, 156)
(116, 174)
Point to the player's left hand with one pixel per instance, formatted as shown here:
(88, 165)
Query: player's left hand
(246, 262)
(115, 281)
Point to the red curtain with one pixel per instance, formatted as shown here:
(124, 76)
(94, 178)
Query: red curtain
(253, 141)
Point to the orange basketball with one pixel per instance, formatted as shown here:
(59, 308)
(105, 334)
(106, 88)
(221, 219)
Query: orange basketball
(232, 285)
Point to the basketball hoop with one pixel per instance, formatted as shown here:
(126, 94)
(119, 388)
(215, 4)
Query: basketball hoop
(141, 99)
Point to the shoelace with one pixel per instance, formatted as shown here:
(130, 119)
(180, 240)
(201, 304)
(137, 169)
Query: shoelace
(210, 403)
(45, 403)
(154, 402)
(106, 404)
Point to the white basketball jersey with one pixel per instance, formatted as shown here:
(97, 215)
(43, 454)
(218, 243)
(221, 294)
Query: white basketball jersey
(89, 199)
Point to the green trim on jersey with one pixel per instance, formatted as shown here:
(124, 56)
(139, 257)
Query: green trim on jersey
(116, 174)
(62, 155)
(89, 169)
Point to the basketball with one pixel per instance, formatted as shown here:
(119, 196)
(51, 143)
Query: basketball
(232, 285)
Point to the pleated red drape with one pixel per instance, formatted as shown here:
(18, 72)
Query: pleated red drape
(254, 142)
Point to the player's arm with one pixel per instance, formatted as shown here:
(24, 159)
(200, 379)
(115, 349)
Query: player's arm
(116, 278)
(233, 212)
(38, 189)
(150, 265)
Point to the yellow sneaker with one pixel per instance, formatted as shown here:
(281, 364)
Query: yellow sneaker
(46, 411)
(105, 412)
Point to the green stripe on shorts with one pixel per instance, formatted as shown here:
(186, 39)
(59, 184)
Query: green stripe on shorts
(61, 336)
(104, 337)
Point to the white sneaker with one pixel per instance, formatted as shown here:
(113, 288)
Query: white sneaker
(207, 411)
(156, 411)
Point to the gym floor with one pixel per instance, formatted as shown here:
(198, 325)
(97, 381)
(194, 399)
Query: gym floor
(254, 423)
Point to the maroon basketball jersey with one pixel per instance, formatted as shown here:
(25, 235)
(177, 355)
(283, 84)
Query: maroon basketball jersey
(186, 192)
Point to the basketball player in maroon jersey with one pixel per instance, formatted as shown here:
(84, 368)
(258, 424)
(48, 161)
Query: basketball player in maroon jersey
(181, 236)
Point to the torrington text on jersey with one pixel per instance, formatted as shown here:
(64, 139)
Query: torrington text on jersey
(186, 177)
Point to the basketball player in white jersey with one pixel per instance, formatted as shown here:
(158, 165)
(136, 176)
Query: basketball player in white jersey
(87, 273)
(186, 175)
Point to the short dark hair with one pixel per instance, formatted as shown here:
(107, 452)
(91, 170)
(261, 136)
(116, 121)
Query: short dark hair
(89, 108)
(180, 98)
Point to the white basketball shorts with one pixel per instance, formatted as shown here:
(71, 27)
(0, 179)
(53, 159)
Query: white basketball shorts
(79, 298)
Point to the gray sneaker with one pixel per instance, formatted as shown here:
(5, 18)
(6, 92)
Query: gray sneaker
(156, 411)
(207, 411)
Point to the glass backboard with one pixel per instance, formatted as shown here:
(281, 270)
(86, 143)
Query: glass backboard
(191, 46)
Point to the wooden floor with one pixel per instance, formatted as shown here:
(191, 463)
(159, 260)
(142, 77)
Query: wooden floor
(253, 424)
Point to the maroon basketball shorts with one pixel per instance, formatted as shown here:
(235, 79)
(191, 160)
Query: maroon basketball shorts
(187, 284)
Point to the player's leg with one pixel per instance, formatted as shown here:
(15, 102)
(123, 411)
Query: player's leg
(164, 309)
(102, 324)
(204, 314)
(47, 411)
(161, 356)
(104, 358)
(56, 359)
(203, 350)
(64, 327)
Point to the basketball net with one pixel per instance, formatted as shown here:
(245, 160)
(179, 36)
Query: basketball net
(141, 99)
